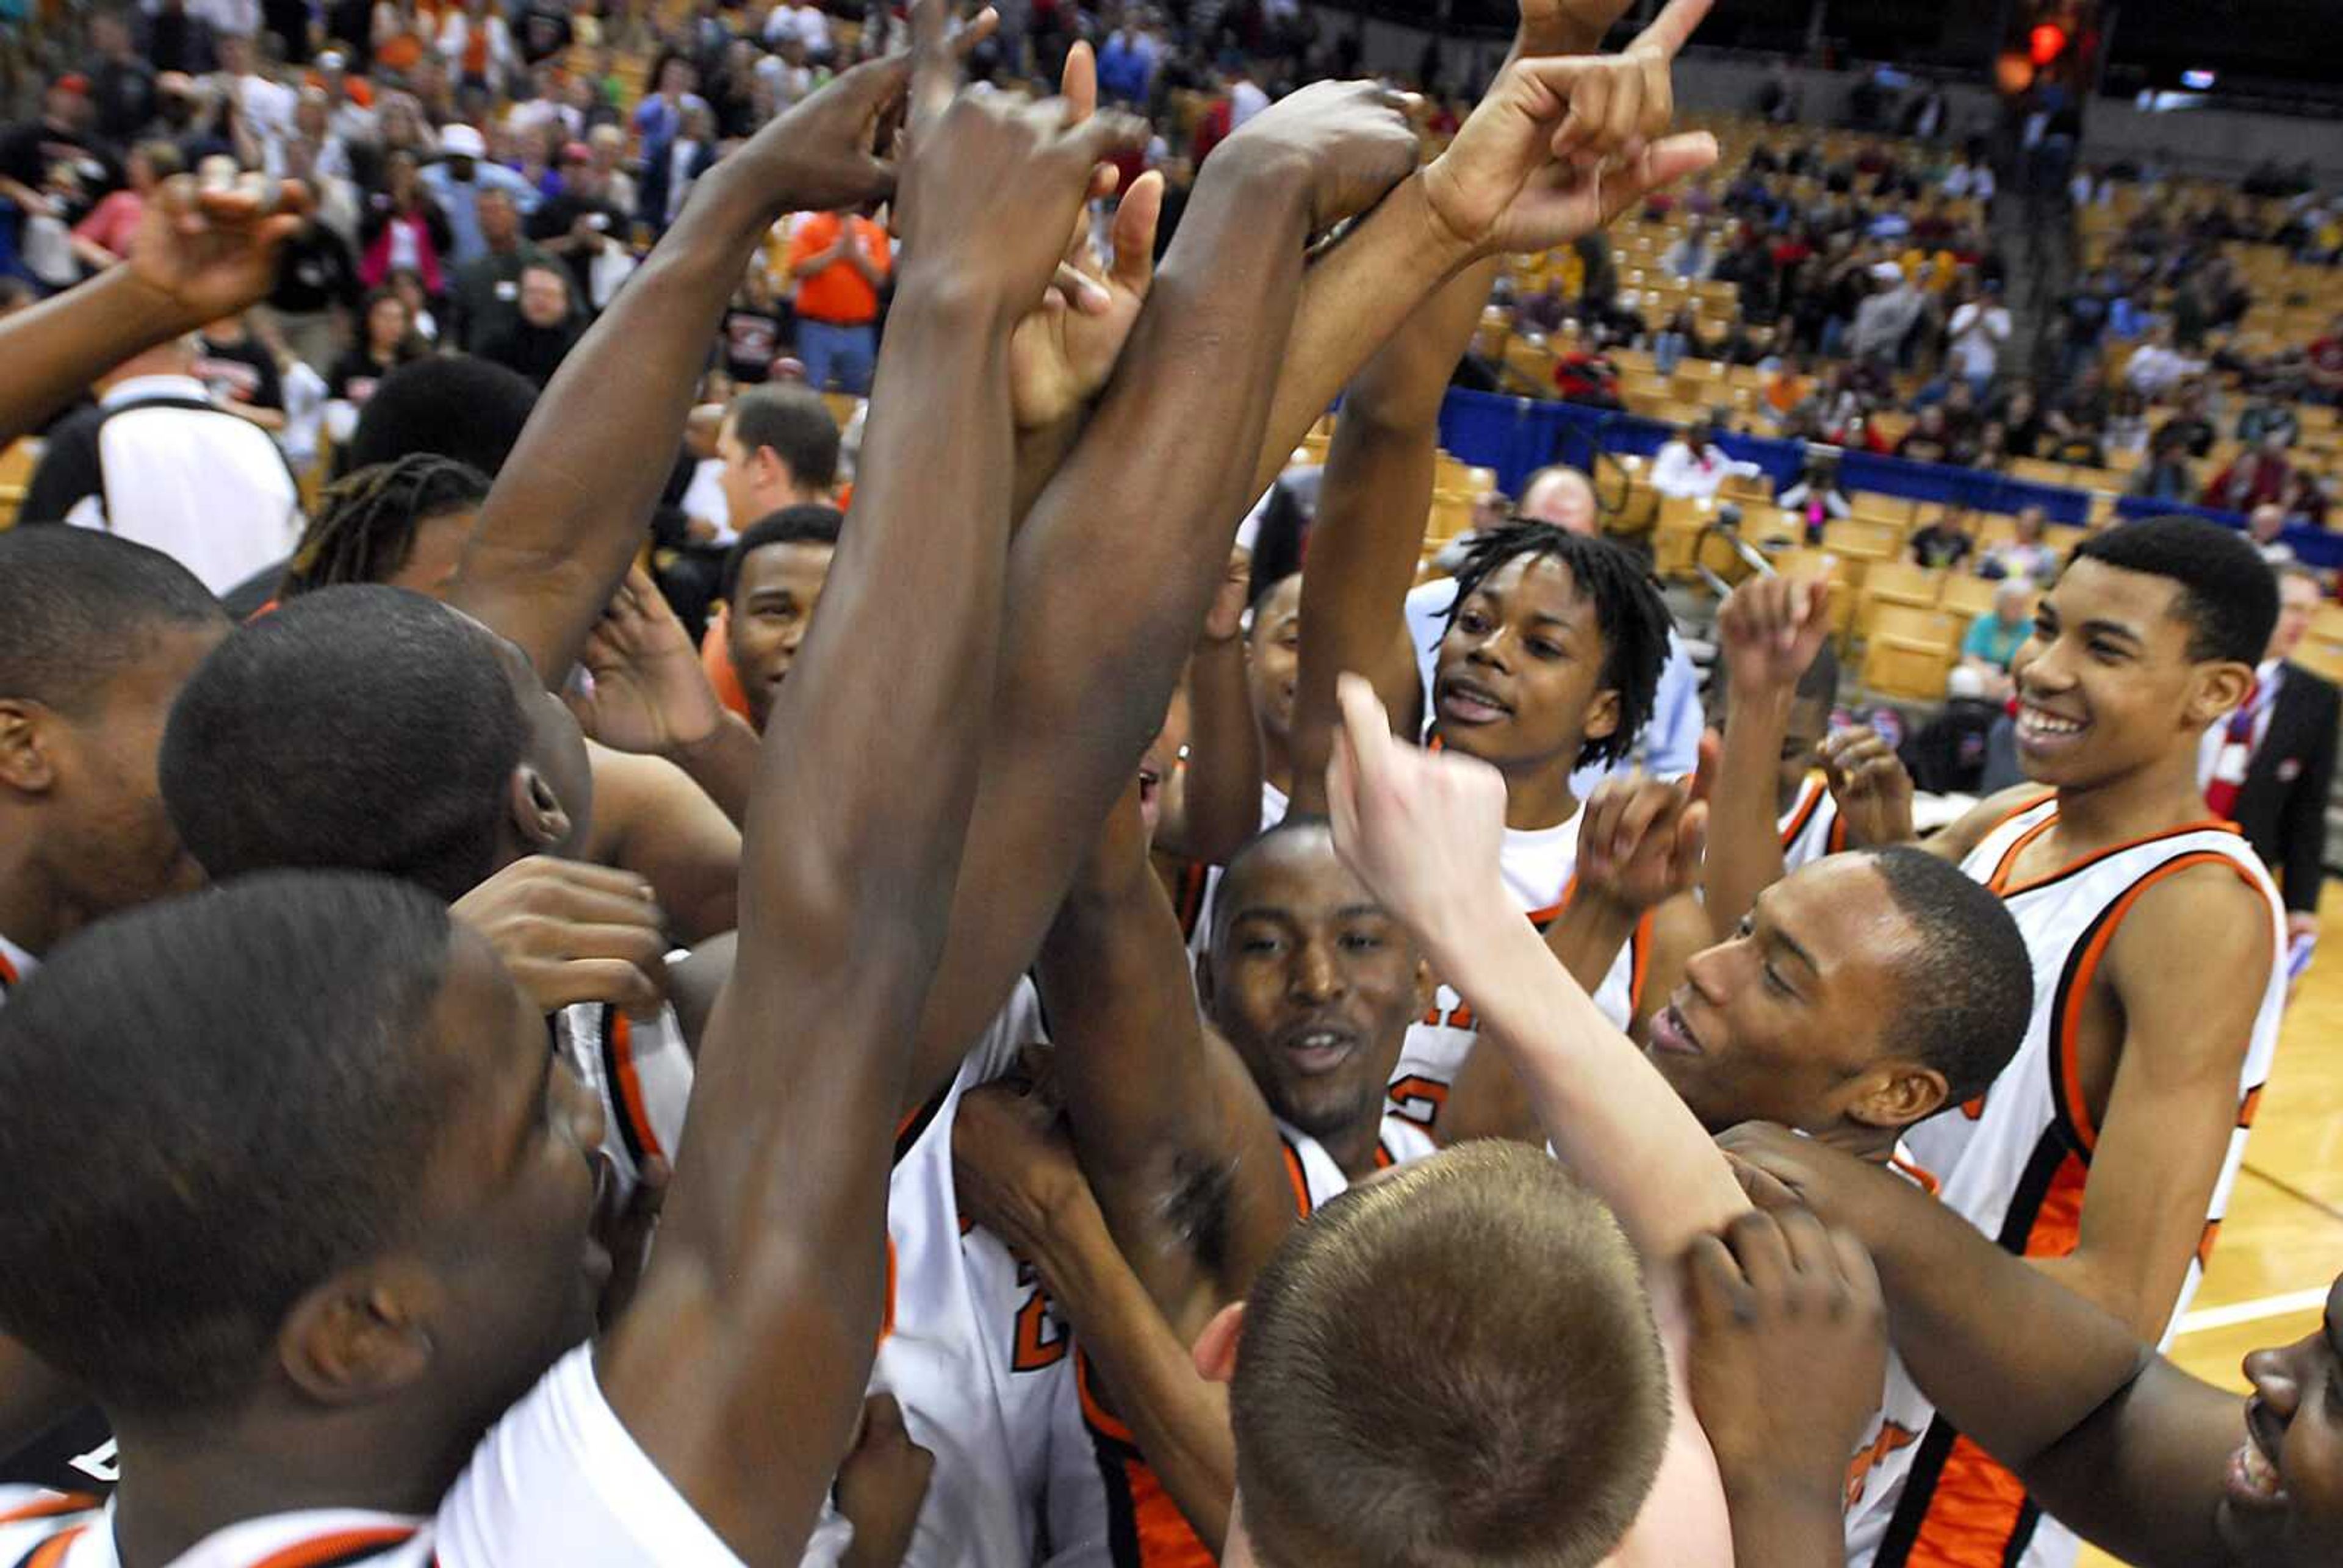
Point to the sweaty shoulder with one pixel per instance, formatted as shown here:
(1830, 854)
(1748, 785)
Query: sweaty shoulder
(2201, 916)
(1958, 838)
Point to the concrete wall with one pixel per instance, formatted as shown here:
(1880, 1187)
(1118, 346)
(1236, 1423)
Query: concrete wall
(2212, 141)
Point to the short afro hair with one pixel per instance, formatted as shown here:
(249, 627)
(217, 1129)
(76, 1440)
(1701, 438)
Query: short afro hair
(362, 729)
(1969, 986)
(795, 423)
(2227, 595)
(228, 1100)
(77, 607)
(454, 406)
(1629, 613)
(1453, 1363)
(810, 523)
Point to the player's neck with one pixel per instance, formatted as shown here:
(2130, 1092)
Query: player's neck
(2149, 800)
(32, 916)
(1538, 797)
(184, 1484)
(1352, 1148)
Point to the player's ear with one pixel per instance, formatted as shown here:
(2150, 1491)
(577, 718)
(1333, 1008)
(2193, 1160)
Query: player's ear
(1603, 715)
(360, 1335)
(1899, 1093)
(537, 813)
(2220, 689)
(27, 746)
(1216, 1347)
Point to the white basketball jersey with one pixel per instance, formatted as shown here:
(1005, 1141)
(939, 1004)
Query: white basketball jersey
(1106, 1500)
(1539, 867)
(1812, 826)
(641, 1071)
(1876, 1472)
(970, 1344)
(2014, 1164)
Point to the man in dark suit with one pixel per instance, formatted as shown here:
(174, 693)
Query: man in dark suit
(2269, 765)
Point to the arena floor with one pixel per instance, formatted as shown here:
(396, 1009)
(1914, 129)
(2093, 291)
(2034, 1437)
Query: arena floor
(2282, 1244)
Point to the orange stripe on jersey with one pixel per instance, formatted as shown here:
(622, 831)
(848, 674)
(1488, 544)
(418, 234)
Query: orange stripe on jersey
(2074, 986)
(1299, 1177)
(1925, 1181)
(886, 1309)
(8, 975)
(1976, 1508)
(1145, 1527)
(2250, 1107)
(630, 1087)
(2205, 1243)
(52, 1551)
(1999, 881)
(49, 1507)
(1835, 843)
(1803, 812)
(2001, 874)
(343, 1546)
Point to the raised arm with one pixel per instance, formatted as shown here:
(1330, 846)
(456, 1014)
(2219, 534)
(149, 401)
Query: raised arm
(569, 508)
(1769, 631)
(1422, 830)
(1212, 802)
(2112, 1440)
(1084, 687)
(1171, 1131)
(200, 255)
(768, 1272)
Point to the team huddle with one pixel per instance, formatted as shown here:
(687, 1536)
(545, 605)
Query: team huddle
(1097, 1057)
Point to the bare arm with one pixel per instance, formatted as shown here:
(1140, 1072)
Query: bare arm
(2113, 1441)
(1171, 1134)
(650, 819)
(569, 510)
(1769, 630)
(2175, 1102)
(1212, 798)
(199, 256)
(768, 1272)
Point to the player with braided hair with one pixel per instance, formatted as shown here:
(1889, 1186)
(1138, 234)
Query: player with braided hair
(403, 523)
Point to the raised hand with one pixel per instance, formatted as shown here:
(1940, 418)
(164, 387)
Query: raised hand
(1063, 351)
(650, 693)
(1769, 629)
(1422, 829)
(1559, 147)
(1789, 1352)
(1224, 618)
(826, 153)
(570, 932)
(212, 253)
(881, 1483)
(992, 188)
(1871, 787)
(1354, 139)
(1640, 840)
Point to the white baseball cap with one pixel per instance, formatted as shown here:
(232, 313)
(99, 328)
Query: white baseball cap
(461, 141)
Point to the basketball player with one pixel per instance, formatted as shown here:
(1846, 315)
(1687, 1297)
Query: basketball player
(2143, 1460)
(2105, 1151)
(352, 1353)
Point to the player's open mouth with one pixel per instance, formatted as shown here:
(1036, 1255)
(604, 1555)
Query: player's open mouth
(2254, 1480)
(1318, 1048)
(1670, 1032)
(1461, 703)
(2039, 730)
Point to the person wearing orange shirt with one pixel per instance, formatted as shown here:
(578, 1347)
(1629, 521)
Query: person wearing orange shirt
(839, 260)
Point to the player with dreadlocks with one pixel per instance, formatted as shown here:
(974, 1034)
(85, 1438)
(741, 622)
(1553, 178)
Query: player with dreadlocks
(403, 523)
(1550, 662)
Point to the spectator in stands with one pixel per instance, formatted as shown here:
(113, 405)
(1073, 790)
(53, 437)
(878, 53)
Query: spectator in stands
(2324, 365)
(403, 229)
(103, 237)
(1994, 638)
(542, 333)
(1887, 316)
(1677, 341)
(673, 163)
(240, 372)
(1586, 374)
(388, 340)
(457, 183)
(1930, 439)
(2167, 475)
(1126, 62)
(2267, 417)
(1694, 465)
(1816, 498)
(158, 462)
(2257, 476)
(840, 260)
(2155, 366)
(660, 117)
(2265, 523)
(2027, 556)
(1945, 542)
(2307, 502)
(484, 295)
(1979, 330)
(1693, 258)
(585, 227)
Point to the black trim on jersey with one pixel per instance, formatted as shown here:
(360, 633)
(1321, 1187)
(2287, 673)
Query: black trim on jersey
(628, 1134)
(1919, 1490)
(1113, 1455)
(2089, 862)
(2062, 1115)
(917, 1127)
(47, 1460)
(2033, 1186)
(2029, 1518)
